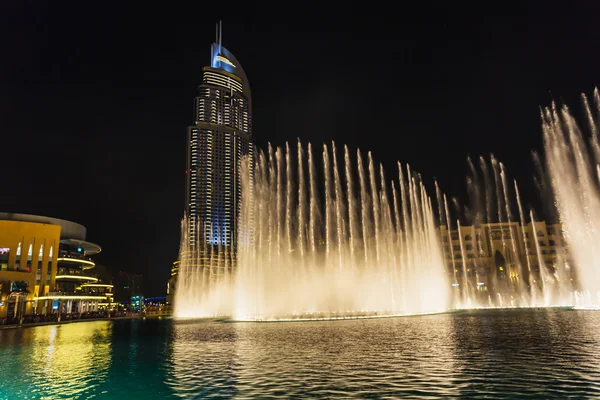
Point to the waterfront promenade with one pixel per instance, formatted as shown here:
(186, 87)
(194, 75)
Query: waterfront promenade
(39, 320)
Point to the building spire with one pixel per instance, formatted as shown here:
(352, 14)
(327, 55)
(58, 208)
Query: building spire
(220, 34)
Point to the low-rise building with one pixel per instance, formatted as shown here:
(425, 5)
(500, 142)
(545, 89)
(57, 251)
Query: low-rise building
(496, 256)
(46, 268)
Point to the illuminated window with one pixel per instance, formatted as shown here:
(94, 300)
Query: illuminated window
(38, 273)
(4, 254)
(49, 270)
(18, 257)
(29, 258)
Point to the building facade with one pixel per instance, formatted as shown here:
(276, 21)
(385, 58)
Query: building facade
(496, 256)
(220, 137)
(45, 268)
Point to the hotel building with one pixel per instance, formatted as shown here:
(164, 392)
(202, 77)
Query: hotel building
(45, 268)
(497, 255)
(216, 143)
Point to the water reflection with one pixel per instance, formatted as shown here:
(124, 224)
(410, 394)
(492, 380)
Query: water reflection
(499, 353)
(399, 357)
(202, 359)
(139, 359)
(410, 356)
(538, 354)
(67, 360)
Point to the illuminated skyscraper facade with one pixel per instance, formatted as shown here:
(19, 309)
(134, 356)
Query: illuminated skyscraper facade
(220, 137)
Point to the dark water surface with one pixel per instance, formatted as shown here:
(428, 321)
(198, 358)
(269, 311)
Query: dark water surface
(536, 354)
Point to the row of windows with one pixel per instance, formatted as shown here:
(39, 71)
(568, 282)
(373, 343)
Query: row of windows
(497, 235)
(5, 256)
(528, 245)
(213, 78)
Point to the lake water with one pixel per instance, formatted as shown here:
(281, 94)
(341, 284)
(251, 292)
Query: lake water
(494, 354)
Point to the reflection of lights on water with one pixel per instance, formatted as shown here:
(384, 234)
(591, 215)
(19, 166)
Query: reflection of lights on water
(50, 350)
(70, 357)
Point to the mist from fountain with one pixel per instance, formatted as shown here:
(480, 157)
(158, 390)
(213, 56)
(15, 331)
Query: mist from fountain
(353, 252)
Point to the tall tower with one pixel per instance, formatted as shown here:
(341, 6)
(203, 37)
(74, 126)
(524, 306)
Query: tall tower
(220, 137)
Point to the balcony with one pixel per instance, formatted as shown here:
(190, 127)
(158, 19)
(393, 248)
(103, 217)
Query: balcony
(70, 296)
(75, 277)
(85, 263)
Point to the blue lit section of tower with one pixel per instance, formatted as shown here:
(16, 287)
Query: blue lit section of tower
(220, 137)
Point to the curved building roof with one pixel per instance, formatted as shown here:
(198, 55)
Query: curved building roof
(68, 229)
(89, 247)
(223, 59)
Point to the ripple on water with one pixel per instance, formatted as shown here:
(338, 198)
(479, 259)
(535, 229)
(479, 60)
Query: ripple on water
(501, 354)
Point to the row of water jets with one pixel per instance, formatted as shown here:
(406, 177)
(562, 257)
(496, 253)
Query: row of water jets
(356, 253)
(526, 276)
(322, 237)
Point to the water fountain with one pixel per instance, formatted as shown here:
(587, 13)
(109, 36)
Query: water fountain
(325, 235)
(573, 166)
(366, 247)
(503, 255)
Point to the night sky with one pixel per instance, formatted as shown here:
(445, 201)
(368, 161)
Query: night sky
(95, 99)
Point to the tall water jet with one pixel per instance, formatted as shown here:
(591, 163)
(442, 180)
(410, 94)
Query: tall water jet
(533, 294)
(352, 231)
(454, 269)
(339, 217)
(468, 302)
(375, 201)
(288, 197)
(301, 200)
(516, 276)
(313, 200)
(364, 206)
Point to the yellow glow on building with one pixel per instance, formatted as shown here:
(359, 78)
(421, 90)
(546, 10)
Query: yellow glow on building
(80, 277)
(22, 267)
(77, 261)
(61, 297)
(97, 285)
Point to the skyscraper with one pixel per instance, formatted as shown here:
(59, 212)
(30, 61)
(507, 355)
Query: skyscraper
(220, 137)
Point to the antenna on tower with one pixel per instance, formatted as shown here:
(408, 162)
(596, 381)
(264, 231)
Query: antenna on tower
(220, 34)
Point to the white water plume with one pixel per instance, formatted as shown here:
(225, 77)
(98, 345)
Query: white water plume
(350, 253)
(572, 163)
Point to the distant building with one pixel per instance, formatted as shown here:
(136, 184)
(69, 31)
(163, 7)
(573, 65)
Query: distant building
(45, 268)
(501, 254)
(172, 283)
(220, 136)
(127, 286)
